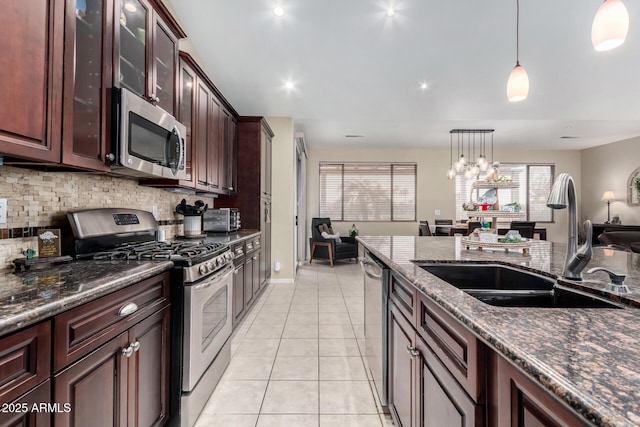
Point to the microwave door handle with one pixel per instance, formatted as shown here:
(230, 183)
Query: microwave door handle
(176, 131)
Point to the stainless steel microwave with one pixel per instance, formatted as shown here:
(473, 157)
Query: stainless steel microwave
(149, 142)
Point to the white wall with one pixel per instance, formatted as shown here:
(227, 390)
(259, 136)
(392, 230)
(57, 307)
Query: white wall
(434, 190)
(283, 198)
(608, 167)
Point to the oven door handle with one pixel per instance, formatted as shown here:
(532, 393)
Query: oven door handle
(224, 274)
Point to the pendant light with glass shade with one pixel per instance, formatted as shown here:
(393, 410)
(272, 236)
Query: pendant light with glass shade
(610, 25)
(518, 84)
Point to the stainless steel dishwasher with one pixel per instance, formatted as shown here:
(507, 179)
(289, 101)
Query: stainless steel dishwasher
(376, 334)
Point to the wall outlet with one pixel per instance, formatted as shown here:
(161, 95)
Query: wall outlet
(437, 212)
(154, 211)
(3, 211)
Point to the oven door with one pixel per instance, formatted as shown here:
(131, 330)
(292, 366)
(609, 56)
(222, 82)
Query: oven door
(207, 323)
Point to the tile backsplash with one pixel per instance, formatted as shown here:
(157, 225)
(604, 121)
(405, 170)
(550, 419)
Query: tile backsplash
(41, 199)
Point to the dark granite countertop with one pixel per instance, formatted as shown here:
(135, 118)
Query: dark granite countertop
(589, 358)
(231, 237)
(34, 295)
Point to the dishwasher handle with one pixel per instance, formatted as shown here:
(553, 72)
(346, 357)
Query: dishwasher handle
(368, 262)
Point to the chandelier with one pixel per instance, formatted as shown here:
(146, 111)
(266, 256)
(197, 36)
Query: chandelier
(470, 166)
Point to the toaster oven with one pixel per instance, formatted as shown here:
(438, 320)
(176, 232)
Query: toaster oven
(221, 220)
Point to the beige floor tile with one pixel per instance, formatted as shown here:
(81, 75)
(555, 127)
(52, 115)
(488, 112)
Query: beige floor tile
(298, 347)
(338, 347)
(303, 318)
(291, 397)
(275, 308)
(346, 397)
(287, 420)
(226, 420)
(295, 368)
(334, 318)
(349, 421)
(268, 318)
(332, 308)
(249, 368)
(306, 308)
(342, 369)
(300, 331)
(258, 347)
(358, 330)
(336, 331)
(330, 300)
(264, 331)
(236, 397)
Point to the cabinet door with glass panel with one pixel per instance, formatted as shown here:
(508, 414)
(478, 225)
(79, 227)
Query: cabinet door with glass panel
(87, 78)
(146, 54)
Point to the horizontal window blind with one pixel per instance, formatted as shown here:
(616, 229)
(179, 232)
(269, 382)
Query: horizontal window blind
(534, 181)
(368, 191)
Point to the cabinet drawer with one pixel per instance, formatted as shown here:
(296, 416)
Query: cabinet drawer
(25, 360)
(403, 294)
(257, 242)
(456, 347)
(83, 329)
(238, 253)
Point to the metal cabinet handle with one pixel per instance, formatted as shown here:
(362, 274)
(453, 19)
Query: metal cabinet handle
(111, 157)
(127, 351)
(136, 346)
(255, 257)
(412, 351)
(127, 309)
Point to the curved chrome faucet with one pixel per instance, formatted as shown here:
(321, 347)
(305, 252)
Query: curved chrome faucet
(563, 195)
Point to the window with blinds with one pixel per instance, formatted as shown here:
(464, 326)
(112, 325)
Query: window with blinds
(535, 185)
(368, 191)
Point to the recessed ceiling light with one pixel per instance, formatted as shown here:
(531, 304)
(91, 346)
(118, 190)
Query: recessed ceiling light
(423, 85)
(289, 85)
(390, 12)
(130, 7)
(354, 136)
(278, 11)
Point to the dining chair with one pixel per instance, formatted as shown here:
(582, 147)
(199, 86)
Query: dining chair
(423, 229)
(525, 228)
(443, 231)
(472, 225)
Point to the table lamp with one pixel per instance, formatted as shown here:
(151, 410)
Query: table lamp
(608, 196)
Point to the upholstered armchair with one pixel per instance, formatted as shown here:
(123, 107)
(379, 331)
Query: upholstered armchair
(330, 249)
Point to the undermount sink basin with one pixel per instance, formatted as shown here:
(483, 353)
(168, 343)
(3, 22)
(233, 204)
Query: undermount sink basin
(504, 286)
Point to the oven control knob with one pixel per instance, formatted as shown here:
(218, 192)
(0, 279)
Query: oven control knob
(228, 256)
(203, 269)
(210, 265)
(219, 261)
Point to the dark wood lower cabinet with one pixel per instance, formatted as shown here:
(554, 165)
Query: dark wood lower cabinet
(519, 402)
(402, 369)
(124, 382)
(248, 280)
(95, 387)
(149, 368)
(443, 402)
(20, 413)
(441, 374)
(238, 293)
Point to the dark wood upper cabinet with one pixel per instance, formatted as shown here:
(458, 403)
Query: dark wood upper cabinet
(146, 53)
(87, 79)
(31, 78)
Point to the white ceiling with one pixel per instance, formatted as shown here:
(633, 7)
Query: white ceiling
(358, 71)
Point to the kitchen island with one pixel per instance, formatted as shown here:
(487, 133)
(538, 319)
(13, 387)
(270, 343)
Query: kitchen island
(587, 359)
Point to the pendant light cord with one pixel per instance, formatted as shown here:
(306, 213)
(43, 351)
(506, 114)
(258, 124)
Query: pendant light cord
(517, 32)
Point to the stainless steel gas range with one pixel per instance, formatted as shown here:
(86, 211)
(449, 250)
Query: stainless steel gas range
(201, 299)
